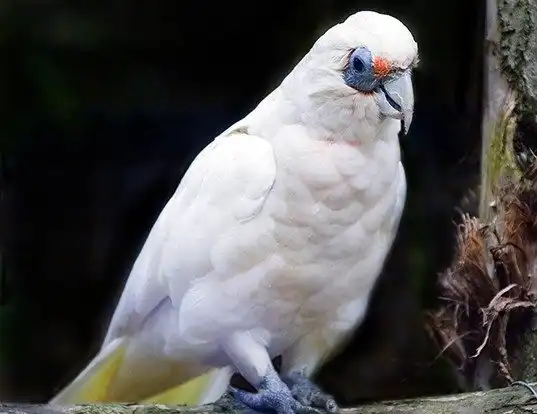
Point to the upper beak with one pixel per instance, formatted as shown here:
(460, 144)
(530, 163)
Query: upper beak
(396, 99)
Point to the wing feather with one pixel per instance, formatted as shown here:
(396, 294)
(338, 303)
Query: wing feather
(226, 185)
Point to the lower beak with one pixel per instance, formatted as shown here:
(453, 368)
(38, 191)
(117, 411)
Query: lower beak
(396, 99)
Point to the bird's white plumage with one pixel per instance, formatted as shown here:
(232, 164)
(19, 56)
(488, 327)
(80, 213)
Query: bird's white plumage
(225, 187)
(283, 259)
(279, 229)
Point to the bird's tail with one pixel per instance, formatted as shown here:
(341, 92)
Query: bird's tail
(113, 377)
(92, 383)
(204, 389)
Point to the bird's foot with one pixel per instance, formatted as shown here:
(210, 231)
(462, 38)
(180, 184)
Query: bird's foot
(273, 396)
(309, 394)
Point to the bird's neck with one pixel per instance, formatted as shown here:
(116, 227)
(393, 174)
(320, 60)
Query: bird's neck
(325, 116)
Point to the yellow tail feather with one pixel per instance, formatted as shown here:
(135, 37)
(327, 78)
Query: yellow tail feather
(189, 393)
(95, 390)
(91, 385)
(104, 380)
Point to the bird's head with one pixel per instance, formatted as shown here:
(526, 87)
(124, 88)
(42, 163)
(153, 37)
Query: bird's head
(364, 66)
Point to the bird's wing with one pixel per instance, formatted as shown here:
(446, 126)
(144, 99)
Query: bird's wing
(226, 185)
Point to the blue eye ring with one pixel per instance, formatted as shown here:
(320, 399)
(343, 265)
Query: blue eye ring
(359, 73)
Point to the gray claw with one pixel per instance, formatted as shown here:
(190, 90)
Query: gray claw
(309, 394)
(273, 395)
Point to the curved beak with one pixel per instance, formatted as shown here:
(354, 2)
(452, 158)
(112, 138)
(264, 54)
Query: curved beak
(396, 99)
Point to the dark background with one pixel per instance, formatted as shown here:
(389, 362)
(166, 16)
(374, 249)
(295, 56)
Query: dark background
(104, 104)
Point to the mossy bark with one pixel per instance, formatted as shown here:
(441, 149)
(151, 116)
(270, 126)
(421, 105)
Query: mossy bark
(510, 93)
(517, 50)
(498, 118)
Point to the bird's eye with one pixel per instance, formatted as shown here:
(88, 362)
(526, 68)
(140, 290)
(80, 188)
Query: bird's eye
(358, 72)
(358, 64)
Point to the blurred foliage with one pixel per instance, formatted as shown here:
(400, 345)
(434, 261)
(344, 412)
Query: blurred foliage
(103, 106)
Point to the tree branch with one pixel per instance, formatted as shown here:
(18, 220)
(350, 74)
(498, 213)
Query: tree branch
(511, 400)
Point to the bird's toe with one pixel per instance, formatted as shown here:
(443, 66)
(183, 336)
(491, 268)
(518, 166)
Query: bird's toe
(273, 396)
(309, 394)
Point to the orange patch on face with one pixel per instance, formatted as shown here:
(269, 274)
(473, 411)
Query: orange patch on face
(381, 67)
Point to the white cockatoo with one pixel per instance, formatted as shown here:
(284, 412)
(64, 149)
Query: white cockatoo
(274, 238)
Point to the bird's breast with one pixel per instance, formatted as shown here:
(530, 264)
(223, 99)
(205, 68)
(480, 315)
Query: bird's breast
(317, 245)
(333, 209)
(335, 196)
